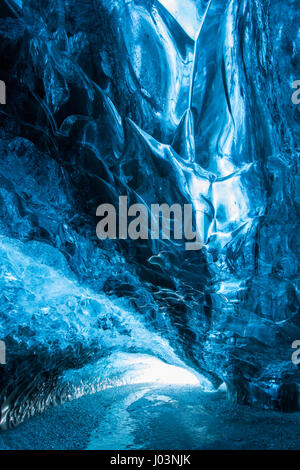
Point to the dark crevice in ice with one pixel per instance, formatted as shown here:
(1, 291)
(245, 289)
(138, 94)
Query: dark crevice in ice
(114, 98)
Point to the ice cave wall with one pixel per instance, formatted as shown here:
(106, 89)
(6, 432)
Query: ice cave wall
(163, 101)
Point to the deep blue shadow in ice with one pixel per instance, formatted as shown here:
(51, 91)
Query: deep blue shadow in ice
(163, 101)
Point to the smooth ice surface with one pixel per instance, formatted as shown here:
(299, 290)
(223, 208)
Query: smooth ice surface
(162, 101)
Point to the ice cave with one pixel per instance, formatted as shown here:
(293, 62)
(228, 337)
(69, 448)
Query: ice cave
(187, 102)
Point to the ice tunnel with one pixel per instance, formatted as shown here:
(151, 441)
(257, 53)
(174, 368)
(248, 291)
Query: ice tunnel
(162, 101)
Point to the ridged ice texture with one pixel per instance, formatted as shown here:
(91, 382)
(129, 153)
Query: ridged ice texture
(177, 101)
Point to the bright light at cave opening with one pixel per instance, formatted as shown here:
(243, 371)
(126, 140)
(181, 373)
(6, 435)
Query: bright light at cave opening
(149, 369)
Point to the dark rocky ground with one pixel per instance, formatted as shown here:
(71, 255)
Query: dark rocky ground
(147, 417)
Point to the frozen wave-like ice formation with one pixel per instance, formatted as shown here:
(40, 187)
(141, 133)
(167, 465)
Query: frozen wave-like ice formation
(163, 101)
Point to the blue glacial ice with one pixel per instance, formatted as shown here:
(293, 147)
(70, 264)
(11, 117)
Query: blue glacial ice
(176, 101)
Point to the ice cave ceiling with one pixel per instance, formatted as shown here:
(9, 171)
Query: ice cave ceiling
(175, 101)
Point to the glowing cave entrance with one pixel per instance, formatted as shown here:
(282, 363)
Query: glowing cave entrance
(140, 368)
